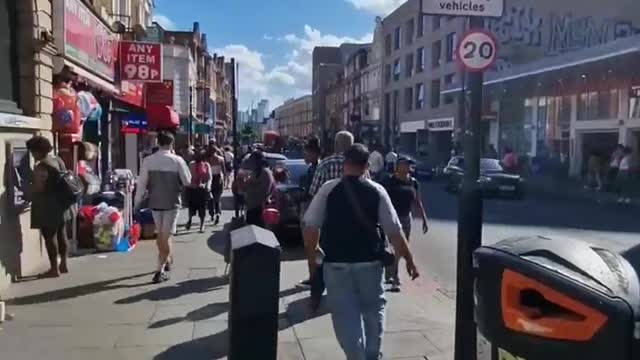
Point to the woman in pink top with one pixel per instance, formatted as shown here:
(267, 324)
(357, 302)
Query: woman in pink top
(198, 190)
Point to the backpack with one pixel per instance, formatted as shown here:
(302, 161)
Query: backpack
(69, 186)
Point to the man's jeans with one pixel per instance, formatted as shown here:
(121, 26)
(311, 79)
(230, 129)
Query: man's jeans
(355, 295)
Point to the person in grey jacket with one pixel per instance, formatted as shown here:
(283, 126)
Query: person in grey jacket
(163, 176)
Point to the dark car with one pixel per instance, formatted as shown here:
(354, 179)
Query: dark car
(288, 197)
(493, 178)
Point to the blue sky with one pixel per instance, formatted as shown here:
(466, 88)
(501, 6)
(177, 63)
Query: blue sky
(273, 39)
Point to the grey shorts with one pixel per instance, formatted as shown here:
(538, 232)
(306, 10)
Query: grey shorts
(166, 221)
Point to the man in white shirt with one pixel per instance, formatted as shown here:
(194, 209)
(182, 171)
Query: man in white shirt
(163, 175)
(376, 163)
(391, 159)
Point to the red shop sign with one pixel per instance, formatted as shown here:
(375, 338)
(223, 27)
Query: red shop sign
(159, 93)
(140, 61)
(87, 40)
(132, 93)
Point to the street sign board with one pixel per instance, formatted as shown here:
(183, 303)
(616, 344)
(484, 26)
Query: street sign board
(140, 61)
(483, 8)
(477, 50)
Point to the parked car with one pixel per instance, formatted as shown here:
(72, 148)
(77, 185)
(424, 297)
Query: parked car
(287, 198)
(493, 178)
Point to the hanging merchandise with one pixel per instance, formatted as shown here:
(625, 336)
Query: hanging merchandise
(66, 113)
(90, 109)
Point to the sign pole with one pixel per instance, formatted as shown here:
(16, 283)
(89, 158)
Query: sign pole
(469, 216)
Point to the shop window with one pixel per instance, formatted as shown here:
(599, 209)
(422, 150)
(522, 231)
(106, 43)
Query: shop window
(408, 99)
(634, 102)
(600, 105)
(419, 96)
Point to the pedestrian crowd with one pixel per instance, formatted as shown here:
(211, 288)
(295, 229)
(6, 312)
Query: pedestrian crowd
(612, 172)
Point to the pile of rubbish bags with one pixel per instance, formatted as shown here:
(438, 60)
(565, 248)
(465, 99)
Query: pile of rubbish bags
(110, 233)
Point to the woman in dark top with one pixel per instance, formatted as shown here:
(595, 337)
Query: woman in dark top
(47, 213)
(404, 191)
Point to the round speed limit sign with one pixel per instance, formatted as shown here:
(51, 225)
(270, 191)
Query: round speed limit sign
(477, 50)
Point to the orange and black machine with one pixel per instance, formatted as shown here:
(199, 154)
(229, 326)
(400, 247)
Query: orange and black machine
(540, 298)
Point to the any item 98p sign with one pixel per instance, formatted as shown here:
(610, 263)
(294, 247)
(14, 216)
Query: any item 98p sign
(140, 61)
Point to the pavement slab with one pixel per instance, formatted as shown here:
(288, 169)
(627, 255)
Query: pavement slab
(107, 308)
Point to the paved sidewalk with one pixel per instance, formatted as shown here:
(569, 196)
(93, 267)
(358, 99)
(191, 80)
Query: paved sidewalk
(108, 309)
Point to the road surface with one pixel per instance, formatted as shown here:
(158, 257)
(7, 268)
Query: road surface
(610, 226)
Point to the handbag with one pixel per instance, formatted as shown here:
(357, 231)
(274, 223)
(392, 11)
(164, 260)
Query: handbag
(384, 253)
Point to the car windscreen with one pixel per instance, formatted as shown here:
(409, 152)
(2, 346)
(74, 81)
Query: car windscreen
(490, 165)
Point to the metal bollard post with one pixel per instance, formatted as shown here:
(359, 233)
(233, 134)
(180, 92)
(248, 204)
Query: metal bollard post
(254, 294)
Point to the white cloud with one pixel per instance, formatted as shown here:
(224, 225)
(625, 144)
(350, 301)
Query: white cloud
(290, 78)
(377, 7)
(164, 21)
(267, 37)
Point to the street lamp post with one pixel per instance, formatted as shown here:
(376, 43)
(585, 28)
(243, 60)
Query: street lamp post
(190, 120)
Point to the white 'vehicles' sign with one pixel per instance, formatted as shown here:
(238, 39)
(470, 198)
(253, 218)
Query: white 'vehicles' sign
(484, 8)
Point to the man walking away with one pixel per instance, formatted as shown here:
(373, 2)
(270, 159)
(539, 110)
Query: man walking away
(344, 217)
(163, 175)
(330, 168)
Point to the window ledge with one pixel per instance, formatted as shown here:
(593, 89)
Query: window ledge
(14, 120)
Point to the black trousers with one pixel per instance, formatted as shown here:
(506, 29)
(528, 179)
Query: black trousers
(317, 284)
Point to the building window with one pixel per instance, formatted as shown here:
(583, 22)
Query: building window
(634, 103)
(398, 37)
(436, 22)
(422, 20)
(409, 31)
(452, 40)
(450, 79)
(396, 70)
(420, 60)
(419, 96)
(448, 99)
(435, 93)
(598, 105)
(436, 54)
(8, 57)
(408, 65)
(408, 99)
(387, 44)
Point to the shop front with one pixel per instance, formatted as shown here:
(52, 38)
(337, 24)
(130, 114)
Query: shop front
(131, 120)
(440, 139)
(564, 108)
(86, 63)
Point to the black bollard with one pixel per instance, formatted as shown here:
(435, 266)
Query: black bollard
(254, 294)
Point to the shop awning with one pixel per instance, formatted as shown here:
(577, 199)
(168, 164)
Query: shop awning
(162, 117)
(600, 53)
(91, 78)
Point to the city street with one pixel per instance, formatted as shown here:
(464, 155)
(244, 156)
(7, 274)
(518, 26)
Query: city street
(608, 225)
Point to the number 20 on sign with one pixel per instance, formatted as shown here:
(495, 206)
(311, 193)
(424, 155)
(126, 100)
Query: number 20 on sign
(477, 51)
